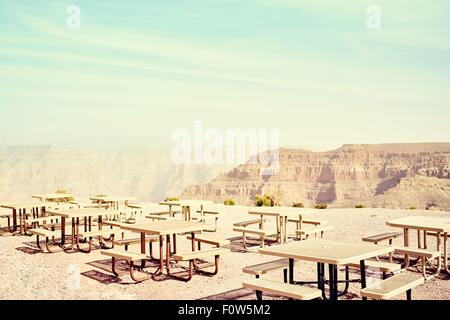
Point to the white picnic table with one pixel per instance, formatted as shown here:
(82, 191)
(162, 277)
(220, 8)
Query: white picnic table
(75, 215)
(166, 228)
(332, 252)
(22, 209)
(114, 201)
(282, 215)
(438, 225)
(52, 196)
(186, 206)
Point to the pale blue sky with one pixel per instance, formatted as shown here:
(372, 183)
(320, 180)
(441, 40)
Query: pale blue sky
(137, 70)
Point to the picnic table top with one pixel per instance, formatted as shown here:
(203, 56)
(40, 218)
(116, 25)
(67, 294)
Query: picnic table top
(47, 196)
(186, 203)
(327, 251)
(112, 198)
(165, 227)
(21, 205)
(278, 211)
(82, 212)
(437, 224)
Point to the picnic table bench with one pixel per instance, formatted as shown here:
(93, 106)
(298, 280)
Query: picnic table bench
(130, 257)
(47, 234)
(192, 256)
(393, 286)
(263, 268)
(315, 230)
(201, 238)
(423, 255)
(284, 289)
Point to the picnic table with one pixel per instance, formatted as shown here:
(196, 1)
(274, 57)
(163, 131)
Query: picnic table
(57, 197)
(75, 215)
(23, 209)
(332, 252)
(282, 214)
(438, 225)
(166, 229)
(186, 206)
(113, 201)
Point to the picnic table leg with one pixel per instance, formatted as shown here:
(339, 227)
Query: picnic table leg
(14, 220)
(406, 244)
(291, 271)
(285, 228)
(362, 270)
(161, 256)
(425, 246)
(142, 248)
(63, 233)
(278, 222)
(320, 271)
(168, 253)
(73, 232)
(63, 230)
(174, 243)
(419, 241)
(21, 221)
(332, 270)
(446, 253)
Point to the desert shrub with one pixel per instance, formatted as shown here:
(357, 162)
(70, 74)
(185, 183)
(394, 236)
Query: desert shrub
(360, 206)
(297, 205)
(430, 206)
(229, 202)
(412, 208)
(275, 194)
(171, 199)
(259, 201)
(264, 201)
(321, 206)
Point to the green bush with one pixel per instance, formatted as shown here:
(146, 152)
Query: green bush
(171, 199)
(229, 202)
(321, 206)
(297, 205)
(412, 208)
(360, 206)
(264, 201)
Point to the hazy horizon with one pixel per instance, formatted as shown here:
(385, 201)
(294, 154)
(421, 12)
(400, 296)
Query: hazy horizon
(135, 72)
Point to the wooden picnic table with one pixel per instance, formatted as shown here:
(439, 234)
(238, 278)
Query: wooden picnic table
(186, 206)
(23, 209)
(332, 252)
(166, 228)
(114, 201)
(282, 215)
(75, 215)
(438, 225)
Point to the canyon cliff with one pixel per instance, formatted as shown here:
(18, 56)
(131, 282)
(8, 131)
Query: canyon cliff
(415, 175)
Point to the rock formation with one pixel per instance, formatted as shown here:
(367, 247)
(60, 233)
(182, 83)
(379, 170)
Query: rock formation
(388, 175)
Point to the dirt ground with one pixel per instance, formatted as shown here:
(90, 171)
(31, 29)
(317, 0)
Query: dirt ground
(28, 273)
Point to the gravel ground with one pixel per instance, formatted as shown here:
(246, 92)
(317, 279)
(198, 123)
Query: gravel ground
(27, 273)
